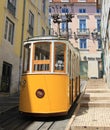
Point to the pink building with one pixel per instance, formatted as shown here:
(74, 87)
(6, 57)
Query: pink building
(81, 27)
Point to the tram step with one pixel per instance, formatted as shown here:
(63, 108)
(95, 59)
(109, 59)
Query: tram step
(95, 104)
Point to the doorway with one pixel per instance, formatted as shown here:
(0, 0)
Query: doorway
(84, 69)
(100, 69)
(6, 77)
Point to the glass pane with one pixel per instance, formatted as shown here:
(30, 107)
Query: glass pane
(42, 51)
(59, 56)
(41, 67)
(83, 43)
(82, 24)
(26, 58)
(42, 56)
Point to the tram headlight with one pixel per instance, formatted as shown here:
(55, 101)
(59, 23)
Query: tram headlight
(40, 93)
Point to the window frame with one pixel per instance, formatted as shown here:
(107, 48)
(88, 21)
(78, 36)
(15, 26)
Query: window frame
(82, 24)
(29, 58)
(41, 61)
(65, 10)
(11, 5)
(98, 10)
(98, 25)
(82, 10)
(44, 6)
(31, 23)
(9, 30)
(83, 42)
(99, 44)
(64, 70)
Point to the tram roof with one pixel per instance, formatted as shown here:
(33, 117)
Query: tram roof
(37, 38)
(50, 37)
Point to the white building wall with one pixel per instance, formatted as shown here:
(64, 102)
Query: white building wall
(105, 33)
(9, 56)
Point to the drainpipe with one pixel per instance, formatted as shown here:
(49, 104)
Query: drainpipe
(22, 35)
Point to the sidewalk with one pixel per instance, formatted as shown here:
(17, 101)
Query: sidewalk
(8, 102)
(94, 110)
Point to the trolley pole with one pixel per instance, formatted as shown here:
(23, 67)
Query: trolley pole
(57, 19)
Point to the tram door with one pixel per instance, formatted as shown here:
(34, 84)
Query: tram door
(6, 77)
(70, 77)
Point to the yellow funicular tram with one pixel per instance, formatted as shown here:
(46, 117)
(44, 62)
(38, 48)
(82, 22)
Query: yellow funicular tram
(50, 81)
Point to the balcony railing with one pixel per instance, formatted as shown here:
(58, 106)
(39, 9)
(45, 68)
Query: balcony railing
(64, 33)
(11, 8)
(83, 32)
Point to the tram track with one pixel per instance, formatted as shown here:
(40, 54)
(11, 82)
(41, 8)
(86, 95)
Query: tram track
(46, 126)
(48, 123)
(13, 120)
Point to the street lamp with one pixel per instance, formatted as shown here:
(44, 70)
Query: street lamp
(95, 34)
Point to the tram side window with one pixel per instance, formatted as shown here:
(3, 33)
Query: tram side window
(59, 56)
(42, 57)
(69, 62)
(26, 60)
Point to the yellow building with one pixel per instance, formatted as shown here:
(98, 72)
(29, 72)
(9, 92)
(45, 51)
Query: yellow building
(19, 19)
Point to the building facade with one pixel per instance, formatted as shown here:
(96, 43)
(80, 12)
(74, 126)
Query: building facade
(82, 20)
(19, 20)
(105, 36)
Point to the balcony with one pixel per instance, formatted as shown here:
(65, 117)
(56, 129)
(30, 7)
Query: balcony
(63, 33)
(83, 32)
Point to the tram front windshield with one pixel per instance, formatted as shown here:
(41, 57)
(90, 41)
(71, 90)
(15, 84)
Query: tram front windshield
(45, 57)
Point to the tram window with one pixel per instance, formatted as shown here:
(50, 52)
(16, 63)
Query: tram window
(42, 51)
(26, 59)
(42, 57)
(59, 56)
(69, 62)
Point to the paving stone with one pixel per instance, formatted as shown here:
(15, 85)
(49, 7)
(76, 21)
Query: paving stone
(94, 113)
